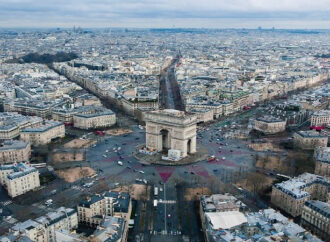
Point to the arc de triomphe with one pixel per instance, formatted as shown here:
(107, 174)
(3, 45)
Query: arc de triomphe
(171, 129)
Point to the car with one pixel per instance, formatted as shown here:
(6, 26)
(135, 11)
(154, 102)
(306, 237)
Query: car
(142, 172)
(128, 167)
(49, 202)
(192, 173)
(161, 183)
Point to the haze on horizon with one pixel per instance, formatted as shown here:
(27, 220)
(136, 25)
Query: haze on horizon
(302, 14)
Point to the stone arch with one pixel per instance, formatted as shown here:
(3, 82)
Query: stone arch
(189, 146)
(165, 139)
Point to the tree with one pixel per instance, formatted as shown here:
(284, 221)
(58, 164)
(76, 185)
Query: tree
(257, 182)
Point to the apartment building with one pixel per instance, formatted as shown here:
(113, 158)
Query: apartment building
(111, 229)
(308, 140)
(29, 229)
(91, 211)
(44, 133)
(315, 217)
(197, 106)
(19, 178)
(14, 151)
(203, 115)
(291, 195)
(269, 125)
(222, 222)
(61, 219)
(30, 106)
(98, 118)
(131, 104)
(110, 203)
(43, 229)
(320, 118)
(322, 161)
(217, 203)
(12, 123)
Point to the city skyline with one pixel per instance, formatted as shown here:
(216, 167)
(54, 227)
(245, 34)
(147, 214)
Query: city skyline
(287, 14)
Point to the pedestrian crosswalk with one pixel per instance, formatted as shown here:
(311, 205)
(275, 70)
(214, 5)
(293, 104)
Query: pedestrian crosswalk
(6, 203)
(165, 232)
(167, 201)
(77, 188)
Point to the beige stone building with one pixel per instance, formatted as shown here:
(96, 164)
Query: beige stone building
(61, 219)
(322, 161)
(308, 140)
(171, 129)
(203, 115)
(19, 178)
(269, 125)
(30, 229)
(44, 133)
(130, 104)
(11, 124)
(291, 195)
(88, 99)
(320, 118)
(316, 218)
(99, 118)
(43, 229)
(92, 209)
(14, 151)
(217, 108)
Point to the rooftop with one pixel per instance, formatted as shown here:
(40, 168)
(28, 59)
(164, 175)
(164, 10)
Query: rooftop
(296, 186)
(310, 134)
(319, 207)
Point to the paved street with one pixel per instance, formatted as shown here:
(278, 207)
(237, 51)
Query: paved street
(173, 217)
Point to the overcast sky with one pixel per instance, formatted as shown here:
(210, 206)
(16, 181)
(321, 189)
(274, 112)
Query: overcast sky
(166, 13)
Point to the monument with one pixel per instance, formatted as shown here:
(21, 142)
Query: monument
(171, 131)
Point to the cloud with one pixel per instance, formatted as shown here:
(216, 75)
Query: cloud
(96, 12)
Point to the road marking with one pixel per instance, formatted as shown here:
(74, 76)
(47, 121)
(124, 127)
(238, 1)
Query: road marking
(165, 215)
(5, 203)
(167, 201)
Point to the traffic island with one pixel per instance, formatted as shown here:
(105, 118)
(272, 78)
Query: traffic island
(156, 157)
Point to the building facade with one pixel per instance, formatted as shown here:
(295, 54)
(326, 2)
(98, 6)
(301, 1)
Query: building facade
(308, 140)
(320, 118)
(43, 229)
(269, 125)
(291, 195)
(102, 119)
(44, 133)
(14, 151)
(110, 203)
(322, 161)
(316, 218)
(19, 178)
